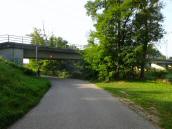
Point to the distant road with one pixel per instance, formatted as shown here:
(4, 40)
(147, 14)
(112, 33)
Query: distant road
(76, 104)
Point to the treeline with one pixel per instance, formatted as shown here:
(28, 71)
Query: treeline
(59, 68)
(124, 38)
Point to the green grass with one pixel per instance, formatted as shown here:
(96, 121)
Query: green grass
(18, 92)
(147, 95)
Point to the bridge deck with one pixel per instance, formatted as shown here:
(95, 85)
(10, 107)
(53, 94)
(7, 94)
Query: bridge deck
(43, 52)
(32, 47)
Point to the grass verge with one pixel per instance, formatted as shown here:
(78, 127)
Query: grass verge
(154, 97)
(18, 92)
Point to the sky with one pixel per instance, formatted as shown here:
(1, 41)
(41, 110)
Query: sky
(64, 18)
(165, 45)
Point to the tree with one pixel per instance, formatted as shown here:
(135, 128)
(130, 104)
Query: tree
(124, 30)
(113, 27)
(154, 53)
(37, 38)
(51, 67)
(147, 26)
(58, 42)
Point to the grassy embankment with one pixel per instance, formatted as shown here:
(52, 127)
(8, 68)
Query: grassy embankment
(19, 92)
(154, 97)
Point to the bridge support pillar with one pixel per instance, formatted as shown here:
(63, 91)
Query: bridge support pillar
(166, 66)
(12, 54)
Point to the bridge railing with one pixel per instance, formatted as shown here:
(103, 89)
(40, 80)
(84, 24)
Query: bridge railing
(28, 40)
(15, 39)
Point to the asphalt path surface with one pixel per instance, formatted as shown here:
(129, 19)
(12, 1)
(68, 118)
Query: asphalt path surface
(76, 104)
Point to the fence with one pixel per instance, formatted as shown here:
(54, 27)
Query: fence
(28, 40)
(15, 39)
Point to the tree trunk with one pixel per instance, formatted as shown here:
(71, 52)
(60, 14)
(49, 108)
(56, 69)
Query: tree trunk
(117, 72)
(142, 73)
(143, 63)
(145, 46)
(118, 42)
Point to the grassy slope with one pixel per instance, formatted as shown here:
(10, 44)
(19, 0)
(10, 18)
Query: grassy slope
(18, 93)
(148, 95)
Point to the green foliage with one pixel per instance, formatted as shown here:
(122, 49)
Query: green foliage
(100, 64)
(121, 43)
(18, 92)
(59, 68)
(169, 75)
(29, 72)
(154, 97)
(156, 75)
(37, 38)
(58, 42)
(64, 74)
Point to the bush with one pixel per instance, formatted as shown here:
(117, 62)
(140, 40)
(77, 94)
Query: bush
(29, 72)
(63, 74)
(156, 74)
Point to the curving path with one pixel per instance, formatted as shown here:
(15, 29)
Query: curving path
(76, 104)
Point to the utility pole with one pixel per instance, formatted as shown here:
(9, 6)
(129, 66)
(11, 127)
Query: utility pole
(36, 58)
(36, 53)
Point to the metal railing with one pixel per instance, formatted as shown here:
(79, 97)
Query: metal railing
(15, 39)
(28, 40)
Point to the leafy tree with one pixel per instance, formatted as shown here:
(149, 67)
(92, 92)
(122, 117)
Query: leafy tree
(124, 30)
(113, 27)
(154, 53)
(147, 26)
(51, 67)
(58, 42)
(37, 38)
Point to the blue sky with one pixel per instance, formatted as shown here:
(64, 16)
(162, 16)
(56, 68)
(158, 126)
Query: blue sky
(65, 18)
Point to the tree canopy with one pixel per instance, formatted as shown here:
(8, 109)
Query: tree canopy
(51, 67)
(124, 31)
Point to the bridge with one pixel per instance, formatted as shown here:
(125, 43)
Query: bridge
(166, 63)
(16, 48)
(162, 61)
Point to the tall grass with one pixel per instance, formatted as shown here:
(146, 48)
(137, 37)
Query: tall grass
(19, 92)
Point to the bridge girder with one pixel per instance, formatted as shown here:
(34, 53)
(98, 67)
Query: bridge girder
(8, 50)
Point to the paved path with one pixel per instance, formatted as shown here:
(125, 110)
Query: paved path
(76, 104)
